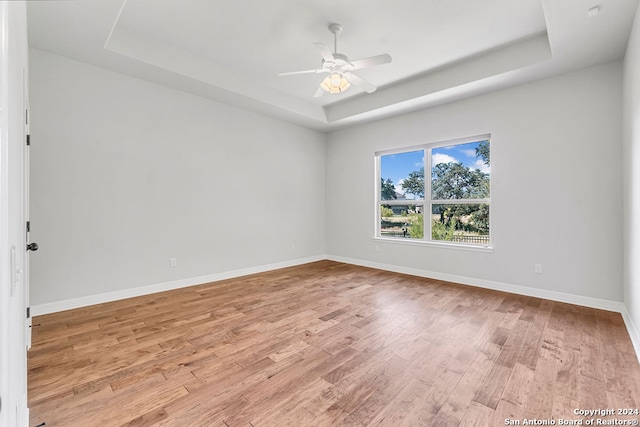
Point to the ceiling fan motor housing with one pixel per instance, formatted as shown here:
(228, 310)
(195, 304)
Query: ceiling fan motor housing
(340, 65)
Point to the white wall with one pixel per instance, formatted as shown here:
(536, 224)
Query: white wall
(631, 195)
(556, 185)
(127, 174)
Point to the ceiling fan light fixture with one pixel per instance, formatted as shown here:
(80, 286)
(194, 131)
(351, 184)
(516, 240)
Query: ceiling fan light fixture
(335, 83)
(338, 66)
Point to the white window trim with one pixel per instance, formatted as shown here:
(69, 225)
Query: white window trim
(427, 204)
(435, 244)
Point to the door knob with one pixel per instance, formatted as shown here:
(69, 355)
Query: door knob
(32, 247)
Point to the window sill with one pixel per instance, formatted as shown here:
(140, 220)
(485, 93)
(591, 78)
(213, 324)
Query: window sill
(443, 245)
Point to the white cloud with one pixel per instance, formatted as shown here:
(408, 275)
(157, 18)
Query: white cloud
(479, 164)
(443, 158)
(469, 152)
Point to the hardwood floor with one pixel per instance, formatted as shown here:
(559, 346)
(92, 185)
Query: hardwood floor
(329, 344)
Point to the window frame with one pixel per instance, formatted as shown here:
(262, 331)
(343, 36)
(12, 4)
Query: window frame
(427, 201)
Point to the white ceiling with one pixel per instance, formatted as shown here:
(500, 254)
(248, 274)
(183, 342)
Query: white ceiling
(232, 51)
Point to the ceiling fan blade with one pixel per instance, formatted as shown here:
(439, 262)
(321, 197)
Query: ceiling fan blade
(325, 52)
(319, 92)
(291, 73)
(371, 61)
(361, 83)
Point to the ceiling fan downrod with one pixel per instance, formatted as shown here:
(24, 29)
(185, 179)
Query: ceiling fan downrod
(335, 29)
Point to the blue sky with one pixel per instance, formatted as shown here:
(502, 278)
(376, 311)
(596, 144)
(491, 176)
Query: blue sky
(398, 166)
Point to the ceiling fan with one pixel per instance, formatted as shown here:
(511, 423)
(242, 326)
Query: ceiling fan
(340, 68)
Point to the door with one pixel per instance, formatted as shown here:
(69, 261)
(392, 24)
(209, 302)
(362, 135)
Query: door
(13, 252)
(28, 244)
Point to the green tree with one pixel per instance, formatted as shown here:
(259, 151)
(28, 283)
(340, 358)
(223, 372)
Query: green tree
(480, 219)
(416, 225)
(483, 151)
(440, 231)
(386, 211)
(387, 189)
(456, 181)
(414, 184)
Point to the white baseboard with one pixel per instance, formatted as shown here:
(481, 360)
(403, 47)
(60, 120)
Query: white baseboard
(40, 309)
(488, 284)
(633, 332)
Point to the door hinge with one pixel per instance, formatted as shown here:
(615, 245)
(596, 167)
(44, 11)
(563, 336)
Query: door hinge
(28, 226)
(28, 312)
(28, 139)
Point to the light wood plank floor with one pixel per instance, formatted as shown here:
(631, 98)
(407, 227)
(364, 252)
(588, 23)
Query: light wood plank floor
(329, 344)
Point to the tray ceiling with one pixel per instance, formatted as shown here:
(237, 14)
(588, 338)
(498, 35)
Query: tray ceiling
(232, 51)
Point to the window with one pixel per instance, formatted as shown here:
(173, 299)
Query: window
(456, 195)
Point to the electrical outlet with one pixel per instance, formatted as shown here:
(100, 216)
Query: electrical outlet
(537, 268)
(173, 262)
